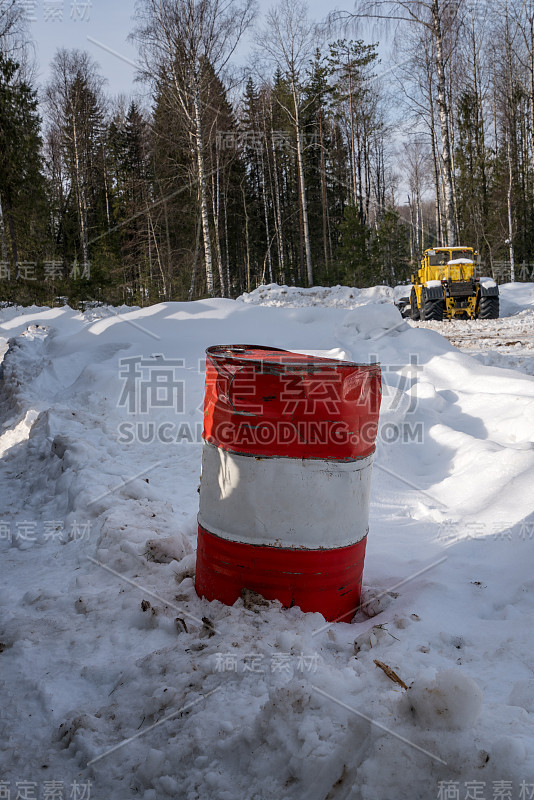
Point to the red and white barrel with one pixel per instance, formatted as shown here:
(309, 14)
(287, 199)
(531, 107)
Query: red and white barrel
(286, 473)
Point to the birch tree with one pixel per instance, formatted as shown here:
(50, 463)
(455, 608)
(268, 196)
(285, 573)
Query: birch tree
(192, 42)
(75, 107)
(417, 160)
(288, 41)
(436, 16)
(14, 37)
(347, 61)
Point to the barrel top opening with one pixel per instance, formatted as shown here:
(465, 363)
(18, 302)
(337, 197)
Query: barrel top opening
(260, 354)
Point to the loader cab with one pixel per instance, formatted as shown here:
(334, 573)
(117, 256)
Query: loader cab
(437, 258)
(448, 264)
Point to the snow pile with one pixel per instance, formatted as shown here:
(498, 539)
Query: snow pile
(515, 298)
(505, 342)
(335, 296)
(449, 699)
(115, 672)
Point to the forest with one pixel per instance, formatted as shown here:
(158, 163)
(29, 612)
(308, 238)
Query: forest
(317, 162)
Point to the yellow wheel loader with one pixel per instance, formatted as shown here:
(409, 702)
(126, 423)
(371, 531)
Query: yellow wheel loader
(446, 287)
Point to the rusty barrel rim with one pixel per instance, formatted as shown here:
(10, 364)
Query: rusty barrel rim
(243, 355)
(264, 401)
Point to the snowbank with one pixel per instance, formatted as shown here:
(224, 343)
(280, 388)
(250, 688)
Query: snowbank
(105, 642)
(335, 296)
(515, 297)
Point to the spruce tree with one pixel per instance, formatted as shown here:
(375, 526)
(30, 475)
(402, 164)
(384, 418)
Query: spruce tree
(21, 180)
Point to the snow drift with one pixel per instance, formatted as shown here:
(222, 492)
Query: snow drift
(115, 672)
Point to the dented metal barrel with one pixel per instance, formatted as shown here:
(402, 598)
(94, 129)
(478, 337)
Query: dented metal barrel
(286, 471)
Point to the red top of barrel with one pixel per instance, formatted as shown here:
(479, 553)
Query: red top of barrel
(267, 402)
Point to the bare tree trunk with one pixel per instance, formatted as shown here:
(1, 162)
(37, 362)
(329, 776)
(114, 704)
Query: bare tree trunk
(352, 143)
(330, 248)
(215, 203)
(480, 137)
(304, 212)
(422, 226)
(281, 256)
(448, 186)
(511, 131)
(288, 40)
(359, 204)
(412, 229)
(301, 234)
(226, 244)
(3, 241)
(195, 261)
(192, 42)
(266, 218)
(81, 201)
(509, 204)
(169, 250)
(324, 198)
(417, 225)
(450, 106)
(303, 201)
(149, 239)
(435, 156)
(367, 169)
(160, 265)
(247, 238)
(440, 218)
(531, 79)
(203, 194)
(106, 189)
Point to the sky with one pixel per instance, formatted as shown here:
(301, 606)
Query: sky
(100, 26)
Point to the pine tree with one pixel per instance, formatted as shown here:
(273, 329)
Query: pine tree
(347, 63)
(472, 165)
(391, 250)
(21, 180)
(316, 96)
(76, 163)
(354, 263)
(129, 149)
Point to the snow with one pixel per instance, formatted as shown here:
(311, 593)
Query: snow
(450, 700)
(516, 297)
(115, 672)
(333, 296)
(506, 342)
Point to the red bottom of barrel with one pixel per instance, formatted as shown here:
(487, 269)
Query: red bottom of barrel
(327, 581)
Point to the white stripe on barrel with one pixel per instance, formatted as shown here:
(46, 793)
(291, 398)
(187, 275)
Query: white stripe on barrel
(284, 502)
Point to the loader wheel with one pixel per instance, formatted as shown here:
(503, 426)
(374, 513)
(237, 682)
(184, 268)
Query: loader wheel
(431, 309)
(414, 311)
(488, 308)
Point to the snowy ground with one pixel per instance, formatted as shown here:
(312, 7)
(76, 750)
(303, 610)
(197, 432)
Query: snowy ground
(113, 671)
(506, 342)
